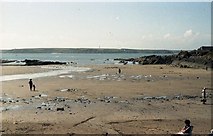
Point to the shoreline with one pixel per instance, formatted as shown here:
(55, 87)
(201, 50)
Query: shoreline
(143, 99)
(51, 70)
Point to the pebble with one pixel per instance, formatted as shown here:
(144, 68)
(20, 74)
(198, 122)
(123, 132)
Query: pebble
(38, 107)
(15, 122)
(43, 104)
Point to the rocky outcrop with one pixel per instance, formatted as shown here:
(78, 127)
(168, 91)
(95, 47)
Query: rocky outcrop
(38, 62)
(153, 59)
(6, 61)
(194, 59)
(201, 58)
(27, 62)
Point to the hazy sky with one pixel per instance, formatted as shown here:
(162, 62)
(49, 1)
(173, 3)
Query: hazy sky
(142, 25)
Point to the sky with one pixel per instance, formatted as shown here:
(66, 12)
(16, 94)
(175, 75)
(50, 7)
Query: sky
(136, 25)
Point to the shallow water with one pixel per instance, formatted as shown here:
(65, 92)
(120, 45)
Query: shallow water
(64, 70)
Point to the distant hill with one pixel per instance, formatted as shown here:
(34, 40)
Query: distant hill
(85, 50)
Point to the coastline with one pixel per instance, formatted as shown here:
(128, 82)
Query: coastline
(133, 102)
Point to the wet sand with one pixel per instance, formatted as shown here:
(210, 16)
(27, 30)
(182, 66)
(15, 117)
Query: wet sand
(153, 99)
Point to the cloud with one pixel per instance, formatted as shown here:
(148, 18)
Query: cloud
(188, 33)
(117, 18)
(166, 36)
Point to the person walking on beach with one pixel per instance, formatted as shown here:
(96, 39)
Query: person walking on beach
(204, 95)
(31, 84)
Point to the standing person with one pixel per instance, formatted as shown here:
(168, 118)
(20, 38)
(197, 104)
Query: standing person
(34, 87)
(119, 70)
(204, 95)
(31, 84)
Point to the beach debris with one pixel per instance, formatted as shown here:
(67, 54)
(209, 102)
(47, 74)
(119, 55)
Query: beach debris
(60, 99)
(167, 98)
(179, 97)
(69, 90)
(125, 101)
(4, 94)
(152, 98)
(21, 85)
(60, 109)
(148, 97)
(65, 90)
(190, 97)
(84, 121)
(64, 76)
(107, 99)
(27, 102)
(66, 105)
(43, 95)
(98, 77)
(43, 104)
(46, 124)
(161, 97)
(137, 77)
(2, 130)
(15, 122)
(3, 109)
(11, 107)
(8, 100)
(39, 107)
(83, 100)
(36, 97)
(40, 96)
(106, 77)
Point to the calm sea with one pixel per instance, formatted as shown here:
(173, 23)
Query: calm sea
(79, 58)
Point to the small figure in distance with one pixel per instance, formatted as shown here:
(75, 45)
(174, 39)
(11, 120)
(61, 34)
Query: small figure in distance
(31, 84)
(119, 71)
(203, 95)
(187, 129)
(34, 87)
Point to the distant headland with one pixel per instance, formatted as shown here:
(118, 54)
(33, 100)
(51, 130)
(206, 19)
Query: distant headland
(87, 50)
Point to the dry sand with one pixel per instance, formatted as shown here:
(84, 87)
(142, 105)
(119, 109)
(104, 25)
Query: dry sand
(110, 103)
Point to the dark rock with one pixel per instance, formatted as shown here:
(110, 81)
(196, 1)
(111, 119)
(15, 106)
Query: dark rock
(60, 109)
(2, 130)
(6, 61)
(201, 58)
(39, 107)
(38, 62)
(183, 54)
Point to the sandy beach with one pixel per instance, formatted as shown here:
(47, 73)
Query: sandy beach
(143, 99)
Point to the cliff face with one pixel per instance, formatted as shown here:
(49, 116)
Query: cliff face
(201, 58)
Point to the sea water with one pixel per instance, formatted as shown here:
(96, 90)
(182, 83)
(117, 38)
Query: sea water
(78, 58)
(81, 59)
